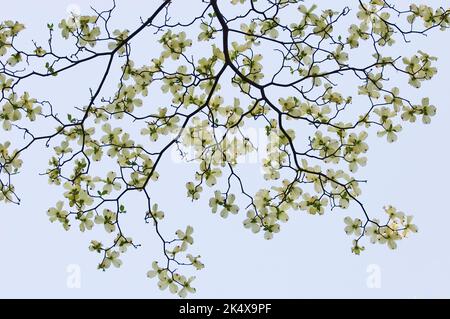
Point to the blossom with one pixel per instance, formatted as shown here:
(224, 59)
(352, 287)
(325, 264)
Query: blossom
(111, 183)
(186, 236)
(111, 258)
(193, 191)
(59, 214)
(229, 206)
(86, 221)
(252, 222)
(353, 226)
(108, 219)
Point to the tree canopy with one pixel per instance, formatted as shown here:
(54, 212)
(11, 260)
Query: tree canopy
(299, 72)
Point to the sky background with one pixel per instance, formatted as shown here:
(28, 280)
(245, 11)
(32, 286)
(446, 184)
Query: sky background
(309, 258)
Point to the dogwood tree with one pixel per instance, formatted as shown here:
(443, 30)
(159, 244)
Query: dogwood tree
(299, 71)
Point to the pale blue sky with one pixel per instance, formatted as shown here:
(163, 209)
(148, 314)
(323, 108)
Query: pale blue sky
(310, 257)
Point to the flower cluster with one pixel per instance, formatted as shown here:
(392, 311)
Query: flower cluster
(315, 125)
